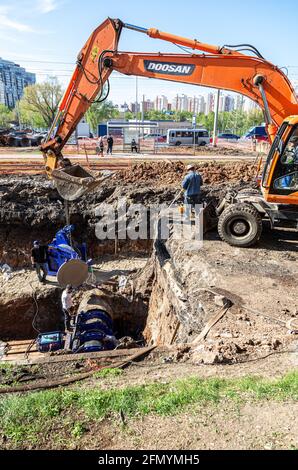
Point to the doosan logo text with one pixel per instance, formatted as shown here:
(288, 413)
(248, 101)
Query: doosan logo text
(168, 68)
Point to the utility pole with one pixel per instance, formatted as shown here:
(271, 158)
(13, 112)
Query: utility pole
(137, 99)
(143, 104)
(137, 105)
(17, 101)
(216, 118)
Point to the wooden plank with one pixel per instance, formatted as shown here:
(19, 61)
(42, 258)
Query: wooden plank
(19, 342)
(213, 320)
(45, 359)
(19, 360)
(45, 384)
(18, 349)
(12, 352)
(94, 355)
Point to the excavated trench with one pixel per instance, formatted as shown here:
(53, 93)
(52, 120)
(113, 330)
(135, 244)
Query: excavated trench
(31, 209)
(145, 310)
(172, 298)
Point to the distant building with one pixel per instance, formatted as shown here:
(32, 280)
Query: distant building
(135, 108)
(161, 103)
(210, 104)
(249, 105)
(147, 105)
(196, 104)
(14, 79)
(226, 103)
(2, 92)
(129, 129)
(239, 102)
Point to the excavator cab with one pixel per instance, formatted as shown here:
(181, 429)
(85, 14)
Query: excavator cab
(280, 175)
(241, 214)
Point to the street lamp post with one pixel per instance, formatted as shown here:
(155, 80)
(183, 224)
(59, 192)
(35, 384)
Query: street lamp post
(216, 118)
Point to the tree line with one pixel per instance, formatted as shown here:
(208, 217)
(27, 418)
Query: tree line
(38, 106)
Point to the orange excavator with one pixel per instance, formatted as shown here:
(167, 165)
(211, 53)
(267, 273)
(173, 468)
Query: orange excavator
(239, 68)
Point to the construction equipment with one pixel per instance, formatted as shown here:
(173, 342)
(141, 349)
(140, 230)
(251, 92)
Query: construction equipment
(68, 260)
(48, 342)
(240, 69)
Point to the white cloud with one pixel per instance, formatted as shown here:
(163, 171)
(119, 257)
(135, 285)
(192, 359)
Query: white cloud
(46, 6)
(7, 23)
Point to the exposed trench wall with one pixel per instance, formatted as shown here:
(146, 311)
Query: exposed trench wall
(17, 314)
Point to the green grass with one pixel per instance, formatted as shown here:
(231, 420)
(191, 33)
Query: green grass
(24, 417)
(108, 373)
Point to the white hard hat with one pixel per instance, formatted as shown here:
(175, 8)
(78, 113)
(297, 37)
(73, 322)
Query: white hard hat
(190, 167)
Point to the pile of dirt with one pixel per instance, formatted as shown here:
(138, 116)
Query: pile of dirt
(208, 150)
(172, 172)
(185, 297)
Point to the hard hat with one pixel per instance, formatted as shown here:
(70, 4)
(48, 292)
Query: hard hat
(190, 167)
(36, 242)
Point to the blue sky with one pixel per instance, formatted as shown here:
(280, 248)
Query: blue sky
(39, 34)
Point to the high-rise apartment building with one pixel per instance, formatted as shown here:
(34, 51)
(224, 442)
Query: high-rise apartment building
(161, 103)
(13, 80)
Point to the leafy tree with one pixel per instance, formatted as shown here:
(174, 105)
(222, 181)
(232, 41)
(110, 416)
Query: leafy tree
(154, 115)
(182, 116)
(128, 115)
(6, 115)
(40, 102)
(238, 122)
(99, 112)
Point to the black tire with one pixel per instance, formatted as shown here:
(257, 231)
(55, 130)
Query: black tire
(178, 144)
(240, 225)
(24, 142)
(203, 144)
(11, 142)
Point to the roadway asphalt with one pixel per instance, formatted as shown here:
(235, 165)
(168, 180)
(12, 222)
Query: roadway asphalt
(22, 157)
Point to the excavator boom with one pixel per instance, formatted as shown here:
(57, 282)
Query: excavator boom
(222, 67)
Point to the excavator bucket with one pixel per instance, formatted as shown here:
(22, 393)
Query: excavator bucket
(74, 181)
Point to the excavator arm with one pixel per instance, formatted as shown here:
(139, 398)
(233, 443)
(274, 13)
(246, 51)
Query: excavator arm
(216, 67)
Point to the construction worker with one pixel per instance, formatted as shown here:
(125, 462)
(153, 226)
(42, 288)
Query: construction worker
(99, 149)
(39, 254)
(66, 300)
(191, 184)
(110, 142)
(134, 146)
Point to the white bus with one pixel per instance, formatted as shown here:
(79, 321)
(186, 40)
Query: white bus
(188, 137)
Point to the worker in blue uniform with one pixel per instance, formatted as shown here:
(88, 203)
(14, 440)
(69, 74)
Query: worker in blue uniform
(192, 186)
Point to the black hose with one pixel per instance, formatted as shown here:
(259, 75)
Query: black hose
(99, 81)
(247, 47)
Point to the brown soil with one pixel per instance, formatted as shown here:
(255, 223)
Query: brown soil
(173, 172)
(167, 301)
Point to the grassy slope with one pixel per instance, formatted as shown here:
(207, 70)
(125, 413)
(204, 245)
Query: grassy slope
(23, 418)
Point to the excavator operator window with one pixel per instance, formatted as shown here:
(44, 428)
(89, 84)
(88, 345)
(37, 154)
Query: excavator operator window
(289, 181)
(285, 180)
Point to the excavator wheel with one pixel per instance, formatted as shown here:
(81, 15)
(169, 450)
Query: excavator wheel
(240, 225)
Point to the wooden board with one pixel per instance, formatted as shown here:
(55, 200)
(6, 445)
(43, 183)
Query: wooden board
(17, 354)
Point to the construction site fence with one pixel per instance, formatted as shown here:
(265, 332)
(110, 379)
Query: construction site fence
(151, 146)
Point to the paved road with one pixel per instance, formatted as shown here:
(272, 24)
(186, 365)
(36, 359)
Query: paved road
(17, 157)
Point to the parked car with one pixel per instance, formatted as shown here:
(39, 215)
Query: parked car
(156, 137)
(258, 133)
(228, 136)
